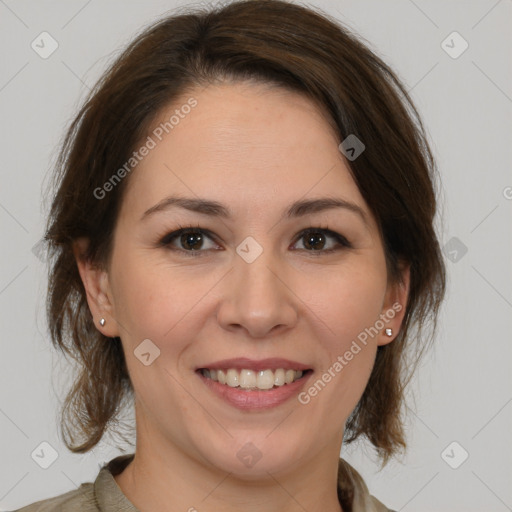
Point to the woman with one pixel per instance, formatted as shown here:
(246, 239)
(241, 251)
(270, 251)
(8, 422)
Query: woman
(243, 244)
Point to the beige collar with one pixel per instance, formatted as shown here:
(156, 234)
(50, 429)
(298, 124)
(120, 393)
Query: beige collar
(353, 493)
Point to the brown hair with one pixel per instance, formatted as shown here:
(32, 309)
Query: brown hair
(273, 42)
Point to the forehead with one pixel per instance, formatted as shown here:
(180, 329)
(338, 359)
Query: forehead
(241, 144)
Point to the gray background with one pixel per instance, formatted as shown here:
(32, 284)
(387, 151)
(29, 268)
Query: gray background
(463, 389)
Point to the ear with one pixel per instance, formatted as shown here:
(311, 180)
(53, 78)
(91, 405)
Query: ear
(395, 303)
(97, 289)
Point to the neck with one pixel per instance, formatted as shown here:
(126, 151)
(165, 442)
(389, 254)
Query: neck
(162, 477)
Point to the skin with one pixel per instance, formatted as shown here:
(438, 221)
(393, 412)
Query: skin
(255, 149)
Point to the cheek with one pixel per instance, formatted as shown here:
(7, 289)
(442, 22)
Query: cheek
(158, 300)
(349, 305)
(348, 300)
(145, 302)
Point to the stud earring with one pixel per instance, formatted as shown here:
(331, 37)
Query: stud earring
(389, 332)
(102, 322)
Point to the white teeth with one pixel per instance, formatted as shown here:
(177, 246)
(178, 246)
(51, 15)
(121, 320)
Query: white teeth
(249, 379)
(265, 379)
(290, 374)
(279, 377)
(232, 378)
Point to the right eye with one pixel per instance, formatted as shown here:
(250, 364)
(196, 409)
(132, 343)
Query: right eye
(190, 240)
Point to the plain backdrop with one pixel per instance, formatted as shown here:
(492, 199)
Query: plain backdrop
(459, 426)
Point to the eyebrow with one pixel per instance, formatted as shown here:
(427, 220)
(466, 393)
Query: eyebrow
(215, 209)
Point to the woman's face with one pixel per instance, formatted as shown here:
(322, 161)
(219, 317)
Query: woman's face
(247, 283)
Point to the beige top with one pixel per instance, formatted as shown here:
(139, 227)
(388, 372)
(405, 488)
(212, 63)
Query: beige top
(104, 495)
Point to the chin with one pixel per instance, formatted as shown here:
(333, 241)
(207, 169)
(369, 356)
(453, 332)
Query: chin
(254, 457)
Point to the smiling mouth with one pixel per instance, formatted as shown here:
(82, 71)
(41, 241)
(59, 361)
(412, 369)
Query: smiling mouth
(250, 380)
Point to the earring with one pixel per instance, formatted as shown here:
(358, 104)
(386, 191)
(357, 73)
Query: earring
(389, 332)
(102, 322)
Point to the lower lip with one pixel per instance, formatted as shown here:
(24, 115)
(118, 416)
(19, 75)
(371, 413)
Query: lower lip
(255, 399)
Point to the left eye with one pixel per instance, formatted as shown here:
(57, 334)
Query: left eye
(191, 240)
(318, 236)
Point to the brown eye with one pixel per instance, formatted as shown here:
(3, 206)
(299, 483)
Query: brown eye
(191, 240)
(316, 240)
(188, 241)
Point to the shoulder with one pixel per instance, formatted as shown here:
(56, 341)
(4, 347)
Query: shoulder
(353, 490)
(81, 499)
(378, 506)
(102, 495)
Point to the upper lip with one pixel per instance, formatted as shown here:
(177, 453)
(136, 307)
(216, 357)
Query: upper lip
(244, 363)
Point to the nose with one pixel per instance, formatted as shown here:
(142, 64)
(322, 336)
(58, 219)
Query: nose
(257, 298)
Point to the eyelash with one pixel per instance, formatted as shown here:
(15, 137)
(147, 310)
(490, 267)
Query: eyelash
(167, 239)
